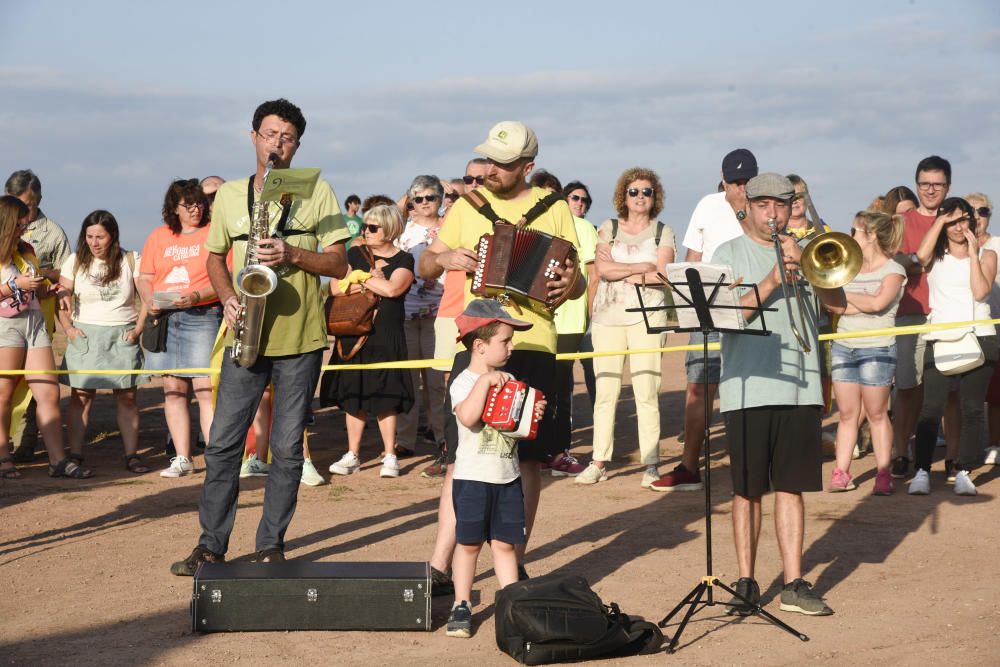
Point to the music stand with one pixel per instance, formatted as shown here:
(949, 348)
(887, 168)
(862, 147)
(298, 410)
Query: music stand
(701, 595)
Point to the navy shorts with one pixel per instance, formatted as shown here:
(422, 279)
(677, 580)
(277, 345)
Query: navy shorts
(485, 511)
(775, 447)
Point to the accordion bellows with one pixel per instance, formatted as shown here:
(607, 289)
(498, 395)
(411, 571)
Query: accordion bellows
(517, 260)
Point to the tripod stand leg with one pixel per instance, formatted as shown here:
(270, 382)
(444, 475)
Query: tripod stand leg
(766, 615)
(698, 592)
(687, 600)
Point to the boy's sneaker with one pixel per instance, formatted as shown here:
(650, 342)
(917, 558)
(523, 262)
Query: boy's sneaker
(254, 467)
(883, 483)
(992, 456)
(798, 596)
(678, 479)
(348, 464)
(311, 476)
(900, 466)
(189, 566)
(179, 466)
(460, 621)
(748, 589)
(591, 475)
(390, 467)
(441, 583)
(950, 470)
(920, 485)
(963, 485)
(566, 465)
(650, 476)
(438, 468)
(841, 480)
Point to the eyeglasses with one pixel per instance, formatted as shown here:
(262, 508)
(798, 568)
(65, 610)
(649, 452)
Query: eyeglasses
(585, 200)
(191, 208)
(927, 185)
(371, 228)
(984, 212)
(420, 200)
(634, 192)
(469, 180)
(277, 138)
(857, 230)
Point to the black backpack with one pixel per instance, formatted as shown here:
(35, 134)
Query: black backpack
(558, 618)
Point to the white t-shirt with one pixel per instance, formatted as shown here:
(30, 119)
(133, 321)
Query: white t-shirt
(712, 224)
(484, 454)
(107, 305)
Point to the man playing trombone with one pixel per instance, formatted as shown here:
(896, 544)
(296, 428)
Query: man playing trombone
(771, 396)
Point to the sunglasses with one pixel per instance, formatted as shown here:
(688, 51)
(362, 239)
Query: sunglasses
(370, 228)
(420, 200)
(634, 192)
(585, 200)
(469, 180)
(452, 196)
(984, 212)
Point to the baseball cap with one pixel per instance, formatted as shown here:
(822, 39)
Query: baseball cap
(507, 141)
(739, 165)
(481, 312)
(770, 185)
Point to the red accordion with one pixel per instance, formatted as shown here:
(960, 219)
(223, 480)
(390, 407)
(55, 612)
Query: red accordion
(517, 260)
(511, 409)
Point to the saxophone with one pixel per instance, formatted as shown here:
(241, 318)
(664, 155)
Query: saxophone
(254, 283)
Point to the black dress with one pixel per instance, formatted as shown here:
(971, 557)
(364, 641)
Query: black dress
(382, 390)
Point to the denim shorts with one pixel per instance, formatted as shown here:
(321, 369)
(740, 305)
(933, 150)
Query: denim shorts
(485, 511)
(694, 360)
(868, 366)
(191, 335)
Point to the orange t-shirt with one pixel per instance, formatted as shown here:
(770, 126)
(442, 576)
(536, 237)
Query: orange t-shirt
(453, 300)
(177, 261)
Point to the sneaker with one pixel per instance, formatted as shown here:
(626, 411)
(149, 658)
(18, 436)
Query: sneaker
(189, 566)
(441, 583)
(438, 468)
(856, 454)
(311, 476)
(649, 477)
(402, 452)
(920, 485)
(273, 555)
(900, 466)
(253, 467)
(390, 467)
(950, 471)
(883, 483)
(566, 465)
(348, 464)
(591, 475)
(460, 621)
(799, 596)
(963, 485)
(748, 589)
(179, 466)
(678, 479)
(992, 456)
(841, 480)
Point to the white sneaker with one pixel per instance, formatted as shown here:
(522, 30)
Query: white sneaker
(348, 464)
(649, 476)
(856, 454)
(311, 476)
(179, 466)
(992, 456)
(592, 475)
(254, 467)
(390, 467)
(920, 485)
(963, 485)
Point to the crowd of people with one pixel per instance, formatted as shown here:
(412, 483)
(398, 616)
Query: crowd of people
(926, 257)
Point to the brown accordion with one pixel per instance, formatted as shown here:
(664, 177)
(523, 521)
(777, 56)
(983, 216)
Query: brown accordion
(520, 261)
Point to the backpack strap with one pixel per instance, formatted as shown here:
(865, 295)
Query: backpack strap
(614, 229)
(130, 258)
(659, 232)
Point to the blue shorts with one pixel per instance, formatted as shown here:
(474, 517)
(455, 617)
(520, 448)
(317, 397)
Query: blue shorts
(190, 337)
(694, 360)
(485, 511)
(868, 366)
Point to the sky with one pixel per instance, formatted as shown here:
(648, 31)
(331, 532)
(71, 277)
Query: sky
(108, 102)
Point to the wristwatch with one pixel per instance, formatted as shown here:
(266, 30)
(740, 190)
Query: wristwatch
(741, 215)
(914, 258)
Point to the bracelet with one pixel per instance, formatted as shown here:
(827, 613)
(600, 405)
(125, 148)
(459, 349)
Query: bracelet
(195, 294)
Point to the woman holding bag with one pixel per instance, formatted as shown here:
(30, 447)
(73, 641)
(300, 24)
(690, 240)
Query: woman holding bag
(959, 275)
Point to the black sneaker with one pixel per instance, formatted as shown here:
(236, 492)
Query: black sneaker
(188, 566)
(747, 588)
(950, 471)
(460, 621)
(273, 555)
(441, 583)
(900, 467)
(798, 596)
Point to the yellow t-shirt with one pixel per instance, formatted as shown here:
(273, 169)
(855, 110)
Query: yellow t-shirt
(293, 316)
(464, 225)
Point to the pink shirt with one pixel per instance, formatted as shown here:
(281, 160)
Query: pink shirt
(916, 298)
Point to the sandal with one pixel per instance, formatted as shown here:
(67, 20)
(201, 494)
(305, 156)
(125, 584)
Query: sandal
(69, 467)
(9, 473)
(133, 463)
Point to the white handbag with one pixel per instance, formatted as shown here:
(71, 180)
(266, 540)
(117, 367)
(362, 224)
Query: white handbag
(957, 354)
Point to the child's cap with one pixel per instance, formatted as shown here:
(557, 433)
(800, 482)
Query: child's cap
(481, 312)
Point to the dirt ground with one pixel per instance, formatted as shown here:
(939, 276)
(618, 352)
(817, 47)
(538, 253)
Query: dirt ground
(84, 565)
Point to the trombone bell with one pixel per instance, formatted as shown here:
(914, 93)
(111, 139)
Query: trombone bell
(831, 260)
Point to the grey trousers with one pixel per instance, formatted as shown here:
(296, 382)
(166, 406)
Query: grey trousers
(240, 389)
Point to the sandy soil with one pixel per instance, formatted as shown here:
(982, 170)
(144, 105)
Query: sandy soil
(84, 565)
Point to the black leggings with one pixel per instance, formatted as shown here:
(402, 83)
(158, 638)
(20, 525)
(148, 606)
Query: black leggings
(972, 386)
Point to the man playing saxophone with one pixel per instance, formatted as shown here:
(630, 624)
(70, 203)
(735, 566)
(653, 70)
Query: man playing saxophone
(292, 335)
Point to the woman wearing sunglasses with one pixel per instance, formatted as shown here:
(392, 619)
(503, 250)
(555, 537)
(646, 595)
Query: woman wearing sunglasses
(631, 249)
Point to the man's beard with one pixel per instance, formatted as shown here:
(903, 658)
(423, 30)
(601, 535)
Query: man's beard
(496, 187)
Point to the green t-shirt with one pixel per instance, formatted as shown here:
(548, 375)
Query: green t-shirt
(293, 316)
(572, 316)
(767, 370)
(353, 223)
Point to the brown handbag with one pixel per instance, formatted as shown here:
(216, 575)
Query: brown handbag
(352, 314)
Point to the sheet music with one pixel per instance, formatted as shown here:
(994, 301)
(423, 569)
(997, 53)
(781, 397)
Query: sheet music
(724, 318)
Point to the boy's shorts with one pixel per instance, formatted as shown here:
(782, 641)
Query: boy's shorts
(485, 511)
